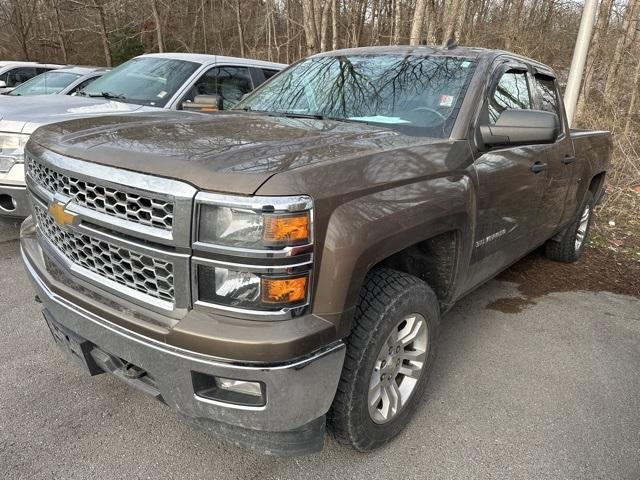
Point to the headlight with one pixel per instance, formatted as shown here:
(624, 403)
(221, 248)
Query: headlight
(253, 253)
(11, 150)
(246, 228)
(251, 290)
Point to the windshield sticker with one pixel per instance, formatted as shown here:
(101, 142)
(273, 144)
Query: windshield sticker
(446, 100)
(162, 94)
(465, 64)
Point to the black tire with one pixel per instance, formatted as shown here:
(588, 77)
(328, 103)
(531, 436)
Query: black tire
(386, 297)
(563, 247)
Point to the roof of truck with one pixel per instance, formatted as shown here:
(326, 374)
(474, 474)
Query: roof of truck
(204, 58)
(457, 51)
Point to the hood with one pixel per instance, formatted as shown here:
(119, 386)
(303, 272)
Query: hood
(232, 152)
(25, 114)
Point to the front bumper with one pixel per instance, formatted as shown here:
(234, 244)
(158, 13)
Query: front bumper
(13, 193)
(298, 392)
(13, 201)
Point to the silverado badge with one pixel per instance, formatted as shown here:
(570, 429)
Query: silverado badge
(60, 215)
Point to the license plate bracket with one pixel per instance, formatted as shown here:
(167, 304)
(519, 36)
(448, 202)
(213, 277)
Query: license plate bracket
(73, 345)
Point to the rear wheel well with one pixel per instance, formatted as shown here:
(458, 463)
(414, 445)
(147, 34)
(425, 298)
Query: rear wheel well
(432, 260)
(596, 185)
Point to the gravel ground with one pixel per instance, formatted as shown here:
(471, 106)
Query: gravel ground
(552, 391)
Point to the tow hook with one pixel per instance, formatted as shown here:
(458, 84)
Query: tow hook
(131, 371)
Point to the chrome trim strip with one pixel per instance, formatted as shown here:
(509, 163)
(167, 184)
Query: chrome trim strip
(286, 252)
(263, 269)
(230, 405)
(179, 193)
(297, 203)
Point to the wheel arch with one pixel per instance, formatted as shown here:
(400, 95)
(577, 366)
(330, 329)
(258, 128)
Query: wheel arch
(419, 229)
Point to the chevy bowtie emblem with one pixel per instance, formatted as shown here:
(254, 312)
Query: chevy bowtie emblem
(60, 215)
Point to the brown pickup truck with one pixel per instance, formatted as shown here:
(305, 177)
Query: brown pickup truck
(271, 270)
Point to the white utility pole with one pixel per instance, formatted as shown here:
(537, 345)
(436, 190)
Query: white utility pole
(579, 58)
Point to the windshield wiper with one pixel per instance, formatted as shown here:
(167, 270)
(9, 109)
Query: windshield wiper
(107, 95)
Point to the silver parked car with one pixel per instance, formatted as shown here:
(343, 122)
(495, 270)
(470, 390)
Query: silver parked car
(153, 82)
(63, 81)
(13, 74)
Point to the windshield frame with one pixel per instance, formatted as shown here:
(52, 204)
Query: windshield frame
(447, 127)
(39, 78)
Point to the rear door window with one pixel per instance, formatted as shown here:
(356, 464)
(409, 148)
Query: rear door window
(548, 95)
(512, 92)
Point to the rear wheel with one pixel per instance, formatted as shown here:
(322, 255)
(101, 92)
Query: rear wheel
(390, 353)
(573, 239)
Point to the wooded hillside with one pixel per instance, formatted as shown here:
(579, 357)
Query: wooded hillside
(108, 32)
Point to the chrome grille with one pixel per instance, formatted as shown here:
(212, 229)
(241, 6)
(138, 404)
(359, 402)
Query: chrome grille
(141, 209)
(143, 273)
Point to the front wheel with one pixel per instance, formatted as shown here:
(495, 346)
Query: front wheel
(390, 353)
(573, 239)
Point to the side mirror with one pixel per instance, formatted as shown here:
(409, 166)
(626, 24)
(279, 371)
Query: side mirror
(204, 103)
(521, 127)
(3, 84)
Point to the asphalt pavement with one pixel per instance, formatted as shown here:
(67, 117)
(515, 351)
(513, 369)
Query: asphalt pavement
(550, 392)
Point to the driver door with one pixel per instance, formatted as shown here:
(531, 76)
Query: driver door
(509, 182)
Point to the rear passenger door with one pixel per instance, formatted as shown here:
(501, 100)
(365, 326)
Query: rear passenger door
(559, 201)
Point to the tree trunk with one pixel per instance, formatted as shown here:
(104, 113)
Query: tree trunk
(450, 28)
(158, 22)
(62, 43)
(627, 26)
(104, 35)
(309, 25)
(334, 24)
(324, 25)
(397, 17)
(633, 103)
(417, 22)
(240, 29)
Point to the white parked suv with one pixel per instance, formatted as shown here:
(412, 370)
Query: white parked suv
(13, 74)
(162, 81)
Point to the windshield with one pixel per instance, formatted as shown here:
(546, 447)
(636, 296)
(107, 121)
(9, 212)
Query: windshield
(419, 95)
(46, 84)
(146, 81)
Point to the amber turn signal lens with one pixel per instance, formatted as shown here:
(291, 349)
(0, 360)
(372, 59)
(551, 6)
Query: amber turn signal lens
(284, 290)
(286, 230)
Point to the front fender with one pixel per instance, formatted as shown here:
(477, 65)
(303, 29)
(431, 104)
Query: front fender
(369, 229)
